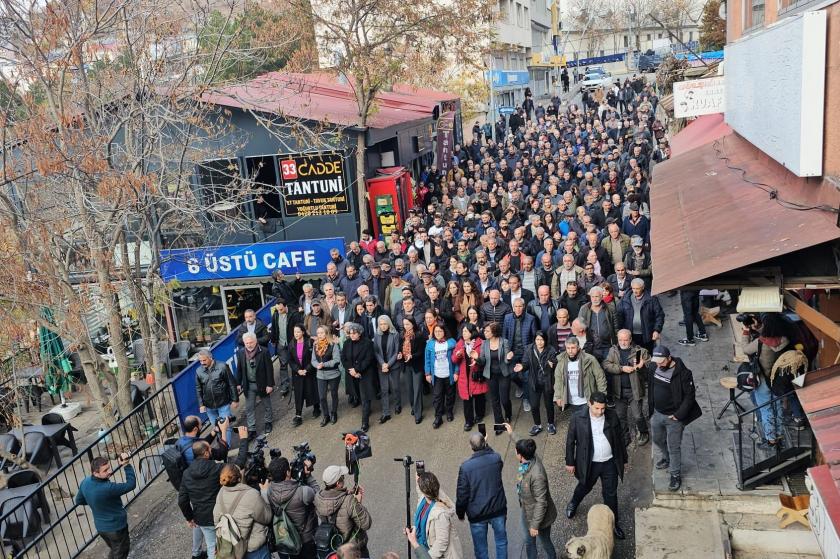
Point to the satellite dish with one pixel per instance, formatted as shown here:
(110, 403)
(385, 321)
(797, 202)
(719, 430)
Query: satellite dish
(722, 11)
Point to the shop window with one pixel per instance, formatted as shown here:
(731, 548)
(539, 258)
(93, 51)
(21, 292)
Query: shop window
(218, 185)
(199, 314)
(263, 172)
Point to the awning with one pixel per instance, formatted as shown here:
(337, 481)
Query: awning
(707, 220)
(699, 131)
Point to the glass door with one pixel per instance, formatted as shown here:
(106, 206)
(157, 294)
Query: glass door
(238, 299)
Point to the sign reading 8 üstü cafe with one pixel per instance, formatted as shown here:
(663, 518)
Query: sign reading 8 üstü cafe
(313, 184)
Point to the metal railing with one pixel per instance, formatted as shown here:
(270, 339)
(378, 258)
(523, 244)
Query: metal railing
(757, 464)
(47, 524)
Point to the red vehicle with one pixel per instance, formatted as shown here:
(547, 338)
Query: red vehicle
(390, 196)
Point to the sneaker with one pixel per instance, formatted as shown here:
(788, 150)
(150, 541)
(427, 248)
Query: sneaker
(535, 430)
(268, 428)
(296, 421)
(702, 337)
(643, 439)
(663, 464)
(552, 429)
(526, 405)
(675, 484)
(518, 392)
(686, 341)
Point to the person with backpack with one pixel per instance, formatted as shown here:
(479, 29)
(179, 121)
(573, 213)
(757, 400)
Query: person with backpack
(198, 488)
(294, 500)
(215, 388)
(343, 516)
(242, 519)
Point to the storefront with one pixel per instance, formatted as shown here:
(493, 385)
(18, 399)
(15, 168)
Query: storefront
(216, 285)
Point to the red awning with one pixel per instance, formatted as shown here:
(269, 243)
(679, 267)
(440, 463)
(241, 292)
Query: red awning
(701, 130)
(707, 219)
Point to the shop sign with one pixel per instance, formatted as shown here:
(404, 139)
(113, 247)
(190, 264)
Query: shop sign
(309, 256)
(313, 184)
(699, 97)
(445, 141)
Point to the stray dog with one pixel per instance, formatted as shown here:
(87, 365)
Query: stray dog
(598, 542)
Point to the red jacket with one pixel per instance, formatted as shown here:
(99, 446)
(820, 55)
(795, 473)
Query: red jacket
(466, 385)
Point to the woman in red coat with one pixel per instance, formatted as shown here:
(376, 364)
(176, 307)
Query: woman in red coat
(472, 386)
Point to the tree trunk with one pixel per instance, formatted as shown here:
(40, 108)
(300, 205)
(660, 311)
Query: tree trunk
(92, 367)
(361, 185)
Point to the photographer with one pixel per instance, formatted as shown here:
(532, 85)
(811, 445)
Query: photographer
(192, 434)
(344, 509)
(199, 487)
(298, 496)
(215, 388)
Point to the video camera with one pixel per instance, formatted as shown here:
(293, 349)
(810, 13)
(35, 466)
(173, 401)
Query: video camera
(298, 464)
(747, 319)
(256, 471)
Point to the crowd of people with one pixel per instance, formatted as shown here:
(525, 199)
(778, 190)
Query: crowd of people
(521, 274)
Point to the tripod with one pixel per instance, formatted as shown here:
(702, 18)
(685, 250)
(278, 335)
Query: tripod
(407, 462)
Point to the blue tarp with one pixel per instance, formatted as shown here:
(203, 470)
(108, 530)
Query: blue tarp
(711, 55)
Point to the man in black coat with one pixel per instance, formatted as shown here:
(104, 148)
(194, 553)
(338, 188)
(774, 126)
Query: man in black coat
(672, 405)
(281, 289)
(596, 449)
(359, 360)
(283, 320)
(256, 378)
(480, 495)
(200, 485)
(255, 326)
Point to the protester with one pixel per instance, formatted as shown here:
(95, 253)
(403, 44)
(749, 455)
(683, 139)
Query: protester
(386, 345)
(495, 363)
(251, 514)
(253, 325)
(441, 373)
(672, 407)
(359, 360)
(624, 364)
(215, 388)
(481, 497)
(642, 314)
(540, 360)
(596, 449)
(296, 497)
(576, 377)
(472, 386)
(335, 503)
(326, 360)
(256, 378)
(435, 519)
(304, 376)
(104, 498)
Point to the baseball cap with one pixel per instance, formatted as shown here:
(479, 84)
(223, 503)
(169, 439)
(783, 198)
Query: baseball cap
(333, 473)
(634, 207)
(315, 302)
(660, 354)
(636, 241)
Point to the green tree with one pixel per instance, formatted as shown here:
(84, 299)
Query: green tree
(712, 28)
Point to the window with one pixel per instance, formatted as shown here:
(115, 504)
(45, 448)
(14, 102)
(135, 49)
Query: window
(626, 41)
(648, 38)
(659, 36)
(519, 14)
(753, 13)
(503, 10)
(527, 22)
(690, 36)
(219, 182)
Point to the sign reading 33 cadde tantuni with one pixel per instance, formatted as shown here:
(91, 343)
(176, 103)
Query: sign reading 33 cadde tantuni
(313, 184)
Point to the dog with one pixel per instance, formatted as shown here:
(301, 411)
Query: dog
(598, 542)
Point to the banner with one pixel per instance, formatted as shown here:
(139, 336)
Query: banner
(309, 256)
(698, 97)
(313, 184)
(445, 140)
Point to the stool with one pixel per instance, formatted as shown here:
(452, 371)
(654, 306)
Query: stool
(731, 383)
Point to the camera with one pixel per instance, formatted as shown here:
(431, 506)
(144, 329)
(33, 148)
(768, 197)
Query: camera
(421, 466)
(231, 418)
(746, 319)
(256, 471)
(298, 463)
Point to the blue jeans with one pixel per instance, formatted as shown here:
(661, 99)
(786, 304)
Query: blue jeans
(479, 536)
(769, 415)
(215, 413)
(261, 553)
(544, 536)
(207, 534)
(794, 407)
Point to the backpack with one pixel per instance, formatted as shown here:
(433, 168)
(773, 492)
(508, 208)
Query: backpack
(749, 373)
(327, 537)
(284, 535)
(230, 542)
(174, 463)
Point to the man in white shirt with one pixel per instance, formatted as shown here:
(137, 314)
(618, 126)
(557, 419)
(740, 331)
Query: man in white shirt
(596, 449)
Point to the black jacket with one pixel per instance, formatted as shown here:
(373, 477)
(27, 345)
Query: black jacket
(301, 504)
(540, 367)
(359, 356)
(489, 313)
(288, 292)
(579, 449)
(682, 391)
(264, 369)
(292, 317)
(215, 387)
(480, 492)
(651, 313)
(260, 330)
(200, 484)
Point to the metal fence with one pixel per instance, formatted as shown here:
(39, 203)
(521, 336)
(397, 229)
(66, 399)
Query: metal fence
(44, 522)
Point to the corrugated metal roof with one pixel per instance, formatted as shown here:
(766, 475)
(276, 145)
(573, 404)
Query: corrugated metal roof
(321, 97)
(708, 220)
(821, 402)
(699, 131)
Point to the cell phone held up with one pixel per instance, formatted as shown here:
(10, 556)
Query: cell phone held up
(421, 466)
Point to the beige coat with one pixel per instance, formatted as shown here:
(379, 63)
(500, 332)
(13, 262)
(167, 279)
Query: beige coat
(252, 514)
(441, 533)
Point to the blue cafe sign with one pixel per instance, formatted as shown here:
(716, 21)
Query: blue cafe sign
(308, 256)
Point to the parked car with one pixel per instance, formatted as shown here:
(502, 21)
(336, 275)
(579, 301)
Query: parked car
(595, 78)
(649, 62)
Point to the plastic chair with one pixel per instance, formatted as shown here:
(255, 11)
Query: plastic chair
(52, 419)
(10, 444)
(39, 451)
(24, 523)
(138, 348)
(164, 348)
(182, 355)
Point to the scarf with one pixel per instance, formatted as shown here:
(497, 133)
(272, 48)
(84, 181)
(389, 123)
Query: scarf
(421, 518)
(321, 347)
(251, 354)
(520, 474)
(406, 345)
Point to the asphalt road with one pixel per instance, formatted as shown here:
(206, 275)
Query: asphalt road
(158, 530)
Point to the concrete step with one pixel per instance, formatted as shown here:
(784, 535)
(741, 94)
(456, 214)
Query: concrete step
(760, 533)
(764, 500)
(660, 534)
(763, 555)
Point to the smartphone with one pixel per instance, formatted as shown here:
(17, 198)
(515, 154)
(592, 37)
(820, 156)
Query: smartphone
(482, 428)
(421, 466)
(638, 356)
(498, 426)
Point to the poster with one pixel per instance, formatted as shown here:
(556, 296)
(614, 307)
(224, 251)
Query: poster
(698, 97)
(313, 184)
